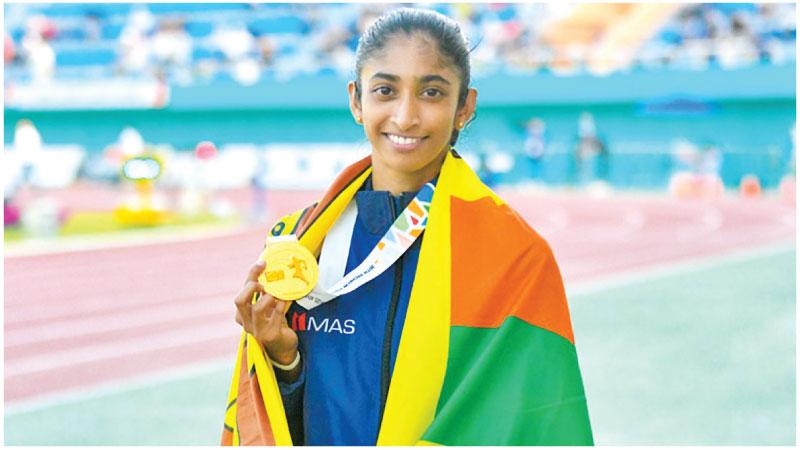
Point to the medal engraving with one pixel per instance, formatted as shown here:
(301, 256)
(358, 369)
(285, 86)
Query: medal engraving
(291, 270)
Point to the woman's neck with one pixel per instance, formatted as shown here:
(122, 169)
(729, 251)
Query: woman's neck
(385, 178)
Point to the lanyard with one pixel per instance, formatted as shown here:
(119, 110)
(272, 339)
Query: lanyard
(336, 248)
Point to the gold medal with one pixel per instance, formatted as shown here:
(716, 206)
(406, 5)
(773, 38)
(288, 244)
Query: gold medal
(291, 270)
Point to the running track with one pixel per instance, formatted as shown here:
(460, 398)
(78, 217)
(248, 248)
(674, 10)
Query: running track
(78, 319)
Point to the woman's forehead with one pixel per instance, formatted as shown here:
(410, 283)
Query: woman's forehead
(410, 57)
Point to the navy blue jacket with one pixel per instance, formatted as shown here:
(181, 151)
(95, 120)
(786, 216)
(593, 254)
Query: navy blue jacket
(348, 345)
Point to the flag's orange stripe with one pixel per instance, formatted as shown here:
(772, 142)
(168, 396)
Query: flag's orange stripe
(251, 417)
(227, 438)
(495, 276)
(265, 429)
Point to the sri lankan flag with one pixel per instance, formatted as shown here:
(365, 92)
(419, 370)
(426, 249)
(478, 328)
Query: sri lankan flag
(487, 355)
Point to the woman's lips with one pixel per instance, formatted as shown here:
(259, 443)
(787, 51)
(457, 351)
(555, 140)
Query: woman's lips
(403, 143)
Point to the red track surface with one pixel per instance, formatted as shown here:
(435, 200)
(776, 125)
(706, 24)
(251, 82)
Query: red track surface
(77, 319)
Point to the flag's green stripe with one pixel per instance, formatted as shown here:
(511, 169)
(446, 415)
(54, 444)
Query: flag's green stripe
(513, 385)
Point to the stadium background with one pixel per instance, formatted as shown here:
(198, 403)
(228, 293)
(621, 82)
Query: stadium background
(658, 81)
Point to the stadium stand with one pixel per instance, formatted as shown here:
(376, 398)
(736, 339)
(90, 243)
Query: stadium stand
(189, 42)
(703, 74)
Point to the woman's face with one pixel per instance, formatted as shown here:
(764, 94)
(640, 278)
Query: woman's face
(409, 105)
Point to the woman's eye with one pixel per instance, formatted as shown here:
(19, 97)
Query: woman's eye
(383, 90)
(432, 92)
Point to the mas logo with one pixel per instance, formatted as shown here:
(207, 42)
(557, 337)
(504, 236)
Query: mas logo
(306, 322)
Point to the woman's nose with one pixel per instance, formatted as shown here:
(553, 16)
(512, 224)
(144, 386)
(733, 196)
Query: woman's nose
(406, 115)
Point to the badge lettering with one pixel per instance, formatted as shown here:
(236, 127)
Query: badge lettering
(312, 324)
(304, 322)
(335, 326)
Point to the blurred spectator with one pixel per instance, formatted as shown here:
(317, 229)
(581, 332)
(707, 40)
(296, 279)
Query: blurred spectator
(732, 35)
(135, 46)
(27, 146)
(39, 55)
(42, 26)
(246, 71)
(591, 154)
(93, 26)
(535, 146)
(696, 170)
(368, 16)
(172, 48)
(259, 211)
(11, 212)
(333, 46)
(266, 51)
(504, 37)
(709, 161)
(9, 51)
(238, 46)
(233, 40)
(683, 155)
(130, 142)
(484, 172)
(706, 160)
(737, 47)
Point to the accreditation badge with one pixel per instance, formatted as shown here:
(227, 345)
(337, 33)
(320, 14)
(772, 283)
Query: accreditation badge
(291, 270)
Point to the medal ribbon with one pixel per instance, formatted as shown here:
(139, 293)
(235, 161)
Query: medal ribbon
(333, 257)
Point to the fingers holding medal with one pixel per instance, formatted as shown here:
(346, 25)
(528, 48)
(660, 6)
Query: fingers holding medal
(291, 270)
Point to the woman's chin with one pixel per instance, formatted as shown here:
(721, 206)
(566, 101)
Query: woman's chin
(412, 161)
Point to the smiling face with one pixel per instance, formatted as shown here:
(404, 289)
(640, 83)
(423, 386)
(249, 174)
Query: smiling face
(409, 108)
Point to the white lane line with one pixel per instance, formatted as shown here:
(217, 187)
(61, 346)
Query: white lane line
(789, 219)
(713, 219)
(635, 219)
(118, 320)
(101, 304)
(654, 272)
(115, 349)
(118, 386)
(183, 372)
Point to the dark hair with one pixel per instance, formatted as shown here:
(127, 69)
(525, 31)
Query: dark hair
(444, 30)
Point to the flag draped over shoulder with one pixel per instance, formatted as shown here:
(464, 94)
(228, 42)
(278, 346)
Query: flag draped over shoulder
(486, 356)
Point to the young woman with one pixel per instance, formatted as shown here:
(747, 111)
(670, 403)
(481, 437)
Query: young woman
(462, 336)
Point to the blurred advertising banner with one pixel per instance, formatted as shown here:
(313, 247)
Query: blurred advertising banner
(100, 94)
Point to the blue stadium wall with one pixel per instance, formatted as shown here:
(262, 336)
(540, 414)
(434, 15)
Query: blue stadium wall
(747, 113)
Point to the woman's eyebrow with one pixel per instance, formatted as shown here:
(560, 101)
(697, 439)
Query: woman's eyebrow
(429, 78)
(424, 79)
(385, 76)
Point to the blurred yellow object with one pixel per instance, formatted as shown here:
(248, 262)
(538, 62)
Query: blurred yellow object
(143, 209)
(143, 167)
(141, 217)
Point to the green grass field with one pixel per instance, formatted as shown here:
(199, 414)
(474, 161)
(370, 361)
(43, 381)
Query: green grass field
(705, 358)
(701, 357)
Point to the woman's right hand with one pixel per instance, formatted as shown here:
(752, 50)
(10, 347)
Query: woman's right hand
(266, 319)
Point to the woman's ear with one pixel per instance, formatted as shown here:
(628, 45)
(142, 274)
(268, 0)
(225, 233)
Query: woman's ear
(468, 110)
(355, 102)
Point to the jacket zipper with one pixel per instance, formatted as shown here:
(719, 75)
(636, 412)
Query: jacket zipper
(387, 338)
